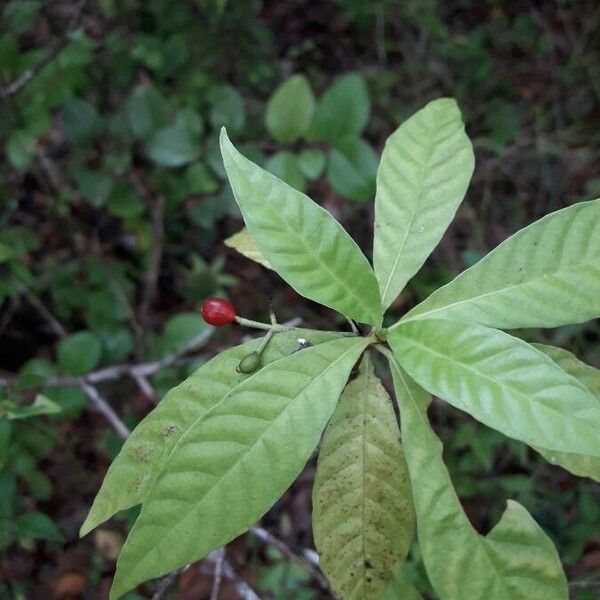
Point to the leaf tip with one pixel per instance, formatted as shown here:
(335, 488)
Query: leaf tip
(224, 138)
(85, 529)
(91, 521)
(513, 505)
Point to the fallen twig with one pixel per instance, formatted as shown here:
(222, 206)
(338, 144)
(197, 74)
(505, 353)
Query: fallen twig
(582, 583)
(166, 582)
(93, 395)
(147, 369)
(139, 372)
(135, 371)
(303, 562)
(103, 407)
(156, 207)
(218, 577)
(242, 588)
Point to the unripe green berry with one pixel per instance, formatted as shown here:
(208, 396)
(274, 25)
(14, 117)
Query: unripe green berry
(249, 363)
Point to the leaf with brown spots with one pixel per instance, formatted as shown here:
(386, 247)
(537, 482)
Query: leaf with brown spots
(363, 519)
(152, 441)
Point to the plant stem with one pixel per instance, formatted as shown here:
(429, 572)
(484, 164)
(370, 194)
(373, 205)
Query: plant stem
(265, 341)
(382, 349)
(353, 326)
(258, 325)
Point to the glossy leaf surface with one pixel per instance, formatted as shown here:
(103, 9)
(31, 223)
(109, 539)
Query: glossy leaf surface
(422, 178)
(545, 275)
(363, 518)
(240, 456)
(502, 381)
(302, 241)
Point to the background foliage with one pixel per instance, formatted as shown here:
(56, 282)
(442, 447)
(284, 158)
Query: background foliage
(113, 211)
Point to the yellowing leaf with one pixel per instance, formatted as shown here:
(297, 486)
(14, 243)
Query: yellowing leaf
(363, 518)
(242, 242)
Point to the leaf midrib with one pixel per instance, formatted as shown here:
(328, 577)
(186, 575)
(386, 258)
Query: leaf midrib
(425, 315)
(422, 178)
(363, 475)
(310, 252)
(164, 458)
(480, 540)
(250, 448)
(496, 383)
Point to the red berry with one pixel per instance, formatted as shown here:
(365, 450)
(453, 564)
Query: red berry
(218, 311)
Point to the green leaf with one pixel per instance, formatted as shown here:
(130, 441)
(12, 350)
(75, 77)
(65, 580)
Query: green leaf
(516, 560)
(173, 146)
(38, 526)
(302, 241)
(352, 169)
(79, 353)
(579, 464)
(584, 373)
(502, 381)
(227, 109)
(285, 166)
(232, 459)
(545, 275)
(312, 163)
(5, 434)
(200, 180)
(343, 110)
(400, 587)
(6, 253)
(424, 172)
(147, 110)
(80, 121)
(181, 329)
(34, 372)
(290, 110)
(141, 458)
(95, 185)
(40, 406)
(21, 15)
(72, 400)
(242, 242)
(20, 149)
(117, 344)
(8, 501)
(39, 485)
(124, 201)
(363, 518)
